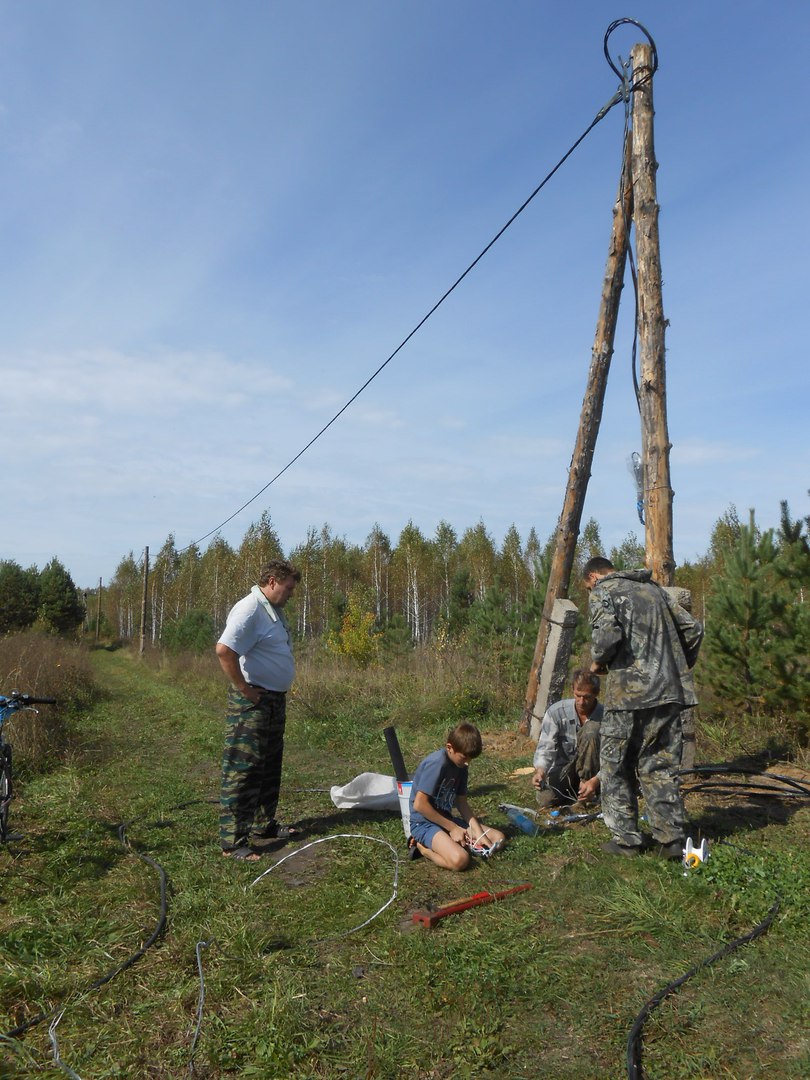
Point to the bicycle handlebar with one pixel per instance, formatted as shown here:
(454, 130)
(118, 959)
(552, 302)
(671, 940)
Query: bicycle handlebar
(25, 699)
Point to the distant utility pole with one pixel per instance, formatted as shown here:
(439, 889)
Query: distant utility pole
(590, 418)
(655, 444)
(143, 601)
(98, 610)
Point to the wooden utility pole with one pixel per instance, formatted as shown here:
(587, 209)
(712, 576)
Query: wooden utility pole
(655, 444)
(143, 601)
(580, 469)
(98, 610)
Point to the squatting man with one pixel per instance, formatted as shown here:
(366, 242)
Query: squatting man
(566, 761)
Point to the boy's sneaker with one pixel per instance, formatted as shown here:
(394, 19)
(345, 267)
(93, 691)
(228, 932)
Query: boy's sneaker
(413, 849)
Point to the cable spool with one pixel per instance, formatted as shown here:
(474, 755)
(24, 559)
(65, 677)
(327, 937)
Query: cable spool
(694, 855)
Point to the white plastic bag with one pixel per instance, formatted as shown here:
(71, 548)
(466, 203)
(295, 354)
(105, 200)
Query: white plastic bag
(368, 791)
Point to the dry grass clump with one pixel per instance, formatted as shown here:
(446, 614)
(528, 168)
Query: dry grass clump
(421, 686)
(410, 689)
(44, 665)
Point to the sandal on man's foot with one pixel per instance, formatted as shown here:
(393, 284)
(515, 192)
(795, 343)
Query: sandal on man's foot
(245, 853)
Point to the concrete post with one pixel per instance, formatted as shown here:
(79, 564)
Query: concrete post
(553, 673)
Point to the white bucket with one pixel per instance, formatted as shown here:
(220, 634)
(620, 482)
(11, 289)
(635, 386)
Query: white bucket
(404, 792)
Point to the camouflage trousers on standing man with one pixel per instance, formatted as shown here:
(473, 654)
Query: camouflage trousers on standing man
(642, 749)
(251, 766)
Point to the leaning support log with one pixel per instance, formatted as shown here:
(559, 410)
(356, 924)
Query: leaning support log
(580, 469)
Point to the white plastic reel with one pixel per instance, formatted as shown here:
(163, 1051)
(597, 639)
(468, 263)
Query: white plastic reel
(694, 856)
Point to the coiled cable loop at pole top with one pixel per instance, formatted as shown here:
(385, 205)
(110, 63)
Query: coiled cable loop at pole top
(621, 71)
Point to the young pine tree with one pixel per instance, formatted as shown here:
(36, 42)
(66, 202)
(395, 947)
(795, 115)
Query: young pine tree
(755, 656)
(60, 608)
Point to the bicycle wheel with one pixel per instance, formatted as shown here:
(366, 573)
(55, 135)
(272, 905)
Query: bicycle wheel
(5, 789)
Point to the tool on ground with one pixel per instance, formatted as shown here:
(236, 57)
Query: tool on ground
(694, 856)
(565, 819)
(556, 817)
(506, 806)
(430, 918)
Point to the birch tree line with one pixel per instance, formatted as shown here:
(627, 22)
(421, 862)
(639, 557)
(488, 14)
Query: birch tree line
(750, 590)
(422, 584)
(416, 579)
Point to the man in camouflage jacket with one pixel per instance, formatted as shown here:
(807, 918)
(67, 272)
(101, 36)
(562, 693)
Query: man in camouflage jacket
(647, 644)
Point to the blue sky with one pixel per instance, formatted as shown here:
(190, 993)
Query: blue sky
(218, 219)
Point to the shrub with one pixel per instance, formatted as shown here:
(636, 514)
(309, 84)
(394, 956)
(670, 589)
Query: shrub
(194, 632)
(19, 596)
(755, 659)
(45, 666)
(357, 639)
(60, 608)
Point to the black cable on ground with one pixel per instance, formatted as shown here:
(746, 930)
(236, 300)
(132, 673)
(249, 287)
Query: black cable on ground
(55, 1014)
(156, 933)
(729, 769)
(634, 1069)
(754, 790)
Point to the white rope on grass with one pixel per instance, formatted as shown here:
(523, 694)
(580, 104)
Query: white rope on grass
(341, 836)
(200, 1003)
(55, 1044)
(335, 937)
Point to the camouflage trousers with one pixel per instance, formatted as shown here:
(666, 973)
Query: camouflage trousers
(562, 784)
(251, 765)
(642, 750)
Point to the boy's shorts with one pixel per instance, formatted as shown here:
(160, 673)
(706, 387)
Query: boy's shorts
(423, 833)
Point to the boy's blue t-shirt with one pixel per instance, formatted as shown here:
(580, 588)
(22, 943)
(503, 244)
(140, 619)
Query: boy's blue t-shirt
(442, 782)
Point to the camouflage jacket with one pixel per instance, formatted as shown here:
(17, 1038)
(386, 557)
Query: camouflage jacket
(647, 642)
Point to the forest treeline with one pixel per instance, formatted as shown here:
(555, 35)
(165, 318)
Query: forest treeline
(750, 588)
(418, 587)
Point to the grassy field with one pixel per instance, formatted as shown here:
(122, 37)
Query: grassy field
(544, 983)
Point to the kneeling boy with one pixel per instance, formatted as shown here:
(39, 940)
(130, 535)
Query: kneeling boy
(440, 786)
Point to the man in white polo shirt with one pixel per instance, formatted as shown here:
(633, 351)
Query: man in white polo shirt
(255, 653)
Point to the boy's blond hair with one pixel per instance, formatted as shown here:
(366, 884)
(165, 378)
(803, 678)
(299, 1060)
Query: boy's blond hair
(466, 739)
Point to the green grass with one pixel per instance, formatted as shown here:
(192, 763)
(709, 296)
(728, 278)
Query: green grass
(545, 983)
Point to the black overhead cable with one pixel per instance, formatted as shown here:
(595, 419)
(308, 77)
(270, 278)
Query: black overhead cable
(622, 94)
